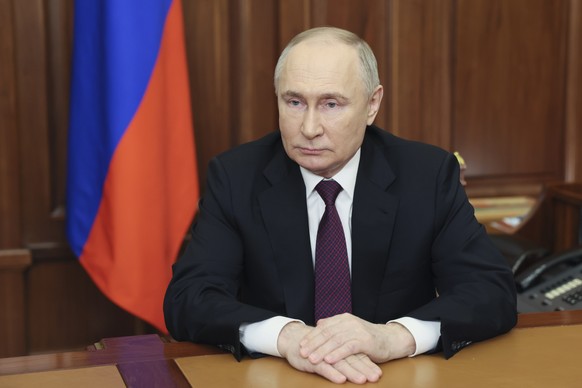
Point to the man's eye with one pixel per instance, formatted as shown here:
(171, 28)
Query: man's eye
(294, 103)
(331, 104)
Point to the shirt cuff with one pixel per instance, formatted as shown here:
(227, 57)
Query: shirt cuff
(261, 337)
(426, 334)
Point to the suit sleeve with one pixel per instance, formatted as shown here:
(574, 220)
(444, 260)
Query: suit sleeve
(476, 291)
(201, 303)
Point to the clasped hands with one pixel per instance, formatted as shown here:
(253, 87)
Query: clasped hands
(344, 347)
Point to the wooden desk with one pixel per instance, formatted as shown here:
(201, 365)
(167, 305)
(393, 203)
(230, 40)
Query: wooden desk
(555, 222)
(495, 209)
(542, 351)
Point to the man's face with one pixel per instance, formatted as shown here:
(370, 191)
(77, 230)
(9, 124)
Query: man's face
(323, 106)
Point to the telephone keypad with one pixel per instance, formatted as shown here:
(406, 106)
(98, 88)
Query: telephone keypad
(558, 289)
(573, 298)
(564, 293)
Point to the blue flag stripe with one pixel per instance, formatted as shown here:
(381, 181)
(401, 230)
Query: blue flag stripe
(116, 43)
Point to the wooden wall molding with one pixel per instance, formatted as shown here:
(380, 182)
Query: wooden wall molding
(13, 322)
(15, 259)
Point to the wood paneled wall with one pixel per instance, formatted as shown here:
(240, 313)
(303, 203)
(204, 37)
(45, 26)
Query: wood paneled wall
(509, 88)
(498, 80)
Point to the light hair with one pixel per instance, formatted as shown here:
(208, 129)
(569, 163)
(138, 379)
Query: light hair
(368, 64)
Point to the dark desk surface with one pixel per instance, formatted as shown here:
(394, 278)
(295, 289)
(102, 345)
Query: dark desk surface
(143, 358)
(149, 360)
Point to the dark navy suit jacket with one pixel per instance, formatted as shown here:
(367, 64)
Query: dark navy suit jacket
(417, 249)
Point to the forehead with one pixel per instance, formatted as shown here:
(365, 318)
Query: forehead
(321, 64)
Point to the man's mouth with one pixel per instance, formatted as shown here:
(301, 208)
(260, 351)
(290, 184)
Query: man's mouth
(311, 151)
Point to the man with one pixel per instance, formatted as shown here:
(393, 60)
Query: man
(422, 275)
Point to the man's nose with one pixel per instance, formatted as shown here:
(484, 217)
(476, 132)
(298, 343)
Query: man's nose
(311, 126)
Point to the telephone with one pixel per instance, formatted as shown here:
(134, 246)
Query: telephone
(519, 252)
(552, 284)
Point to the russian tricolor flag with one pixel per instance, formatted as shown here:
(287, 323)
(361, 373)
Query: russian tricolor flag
(132, 187)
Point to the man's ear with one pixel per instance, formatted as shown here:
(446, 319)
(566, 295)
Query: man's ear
(374, 103)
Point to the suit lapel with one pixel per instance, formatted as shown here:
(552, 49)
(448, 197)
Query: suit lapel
(284, 209)
(373, 215)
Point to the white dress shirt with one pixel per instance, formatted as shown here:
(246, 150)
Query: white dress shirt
(262, 336)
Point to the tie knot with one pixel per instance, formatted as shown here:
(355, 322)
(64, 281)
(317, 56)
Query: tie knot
(328, 190)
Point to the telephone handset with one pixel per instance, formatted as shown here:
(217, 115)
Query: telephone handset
(553, 284)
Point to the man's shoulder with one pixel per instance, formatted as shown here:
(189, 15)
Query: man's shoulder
(263, 148)
(397, 147)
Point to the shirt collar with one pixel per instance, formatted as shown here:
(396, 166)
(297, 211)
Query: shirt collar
(346, 177)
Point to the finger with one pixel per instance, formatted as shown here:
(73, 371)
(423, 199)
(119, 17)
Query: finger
(323, 369)
(334, 343)
(308, 345)
(350, 372)
(359, 369)
(329, 341)
(317, 338)
(328, 347)
(315, 333)
(331, 354)
(330, 372)
(326, 324)
(365, 365)
(327, 330)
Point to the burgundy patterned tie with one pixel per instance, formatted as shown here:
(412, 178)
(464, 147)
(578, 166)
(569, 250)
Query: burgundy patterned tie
(332, 273)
